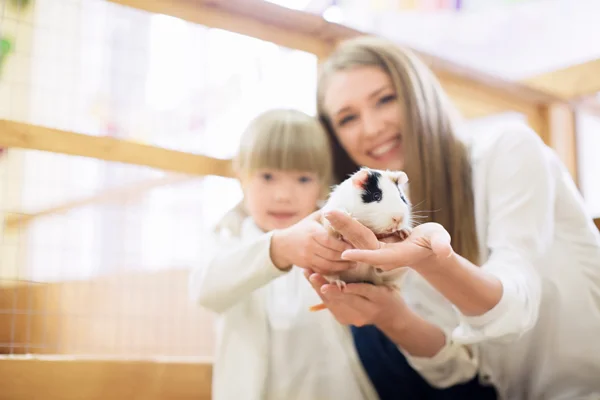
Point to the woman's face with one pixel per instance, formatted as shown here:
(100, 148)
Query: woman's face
(366, 117)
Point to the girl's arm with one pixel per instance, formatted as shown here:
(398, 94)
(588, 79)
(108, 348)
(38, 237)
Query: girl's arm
(236, 270)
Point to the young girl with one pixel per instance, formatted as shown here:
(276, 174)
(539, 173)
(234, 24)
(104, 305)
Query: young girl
(269, 345)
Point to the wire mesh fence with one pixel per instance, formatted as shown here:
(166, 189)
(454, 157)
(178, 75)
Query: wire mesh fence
(107, 274)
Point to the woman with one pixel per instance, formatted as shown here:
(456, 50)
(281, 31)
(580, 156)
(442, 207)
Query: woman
(502, 297)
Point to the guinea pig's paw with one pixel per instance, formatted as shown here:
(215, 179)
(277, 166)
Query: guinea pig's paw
(404, 233)
(339, 283)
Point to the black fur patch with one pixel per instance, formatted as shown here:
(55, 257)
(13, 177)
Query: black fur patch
(402, 195)
(371, 190)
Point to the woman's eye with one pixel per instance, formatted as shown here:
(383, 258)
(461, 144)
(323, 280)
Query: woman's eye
(387, 99)
(345, 120)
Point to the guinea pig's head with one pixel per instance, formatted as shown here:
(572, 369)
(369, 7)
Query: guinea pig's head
(383, 205)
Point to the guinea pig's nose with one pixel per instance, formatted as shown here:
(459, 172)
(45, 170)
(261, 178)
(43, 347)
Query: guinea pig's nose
(398, 219)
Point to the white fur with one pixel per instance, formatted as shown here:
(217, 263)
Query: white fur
(377, 216)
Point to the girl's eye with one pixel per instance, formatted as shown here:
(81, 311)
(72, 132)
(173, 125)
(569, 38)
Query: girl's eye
(267, 177)
(305, 179)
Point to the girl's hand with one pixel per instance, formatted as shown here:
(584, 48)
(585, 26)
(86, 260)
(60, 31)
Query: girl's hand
(308, 245)
(423, 246)
(359, 303)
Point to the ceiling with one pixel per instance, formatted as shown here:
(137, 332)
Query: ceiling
(511, 39)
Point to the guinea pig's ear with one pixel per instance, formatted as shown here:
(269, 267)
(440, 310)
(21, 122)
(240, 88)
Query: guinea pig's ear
(400, 177)
(359, 179)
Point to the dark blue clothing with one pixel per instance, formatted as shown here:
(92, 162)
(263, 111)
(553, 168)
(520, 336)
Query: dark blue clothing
(394, 379)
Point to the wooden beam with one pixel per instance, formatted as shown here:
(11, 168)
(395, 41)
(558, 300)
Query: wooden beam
(139, 314)
(67, 378)
(34, 137)
(556, 125)
(475, 93)
(569, 83)
(589, 105)
(22, 218)
(597, 222)
(212, 15)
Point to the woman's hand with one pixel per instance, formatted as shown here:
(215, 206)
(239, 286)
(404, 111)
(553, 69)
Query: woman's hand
(471, 289)
(359, 303)
(423, 246)
(362, 304)
(307, 244)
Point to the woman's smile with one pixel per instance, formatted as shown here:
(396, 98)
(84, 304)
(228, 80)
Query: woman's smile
(388, 150)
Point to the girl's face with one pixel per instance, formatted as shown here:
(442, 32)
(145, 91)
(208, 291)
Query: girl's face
(366, 116)
(278, 199)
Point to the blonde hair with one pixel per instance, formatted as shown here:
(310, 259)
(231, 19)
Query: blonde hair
(436, 158)
(287, 140)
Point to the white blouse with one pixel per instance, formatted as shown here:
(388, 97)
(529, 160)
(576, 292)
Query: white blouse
(542, 340)
(269, 345)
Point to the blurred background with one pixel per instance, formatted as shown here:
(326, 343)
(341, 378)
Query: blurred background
(117, 122)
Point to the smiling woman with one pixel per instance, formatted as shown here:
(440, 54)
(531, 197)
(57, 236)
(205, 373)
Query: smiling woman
(376, 94)
(382, 116)
(500, 295)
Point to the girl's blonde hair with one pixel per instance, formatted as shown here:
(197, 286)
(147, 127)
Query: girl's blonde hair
(287, 140)
(436, 158)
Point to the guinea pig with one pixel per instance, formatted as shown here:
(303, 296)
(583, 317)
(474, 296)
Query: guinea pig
(376, 199)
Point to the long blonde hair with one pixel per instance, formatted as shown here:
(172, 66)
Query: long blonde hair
(287, 140)
(436, 158)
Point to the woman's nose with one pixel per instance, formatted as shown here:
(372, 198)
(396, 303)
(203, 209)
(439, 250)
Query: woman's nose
(372, 124)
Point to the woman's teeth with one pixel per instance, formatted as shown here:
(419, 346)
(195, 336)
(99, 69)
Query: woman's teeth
(384, 148)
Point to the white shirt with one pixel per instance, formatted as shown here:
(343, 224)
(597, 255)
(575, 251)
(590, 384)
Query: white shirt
(269, 345)
(542, 341)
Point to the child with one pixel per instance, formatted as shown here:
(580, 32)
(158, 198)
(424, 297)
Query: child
(269, 345)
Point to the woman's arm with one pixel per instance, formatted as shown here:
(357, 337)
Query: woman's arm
(424, 344)
(427, 250)
(500, 298)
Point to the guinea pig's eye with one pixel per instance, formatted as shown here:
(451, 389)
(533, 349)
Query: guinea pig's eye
(377, 196)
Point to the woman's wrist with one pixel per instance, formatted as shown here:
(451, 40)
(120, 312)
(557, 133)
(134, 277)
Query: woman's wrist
(412, 333)
(473, 290)
(279, 249)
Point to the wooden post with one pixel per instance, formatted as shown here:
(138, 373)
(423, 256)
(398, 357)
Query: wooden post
(556, 125)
